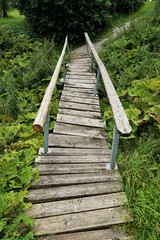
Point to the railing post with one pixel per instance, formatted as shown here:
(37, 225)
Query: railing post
(112, 165)
(97, 82)
(46, 134)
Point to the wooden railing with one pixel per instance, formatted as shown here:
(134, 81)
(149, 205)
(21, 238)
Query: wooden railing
(41, 122)
(122, 126)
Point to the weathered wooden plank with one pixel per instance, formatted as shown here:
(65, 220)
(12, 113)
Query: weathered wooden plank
(83, 81)
(79, 94)
(76, 130)
(104, 234)
(73, 159)
(77, 77)
(79, 90)
(61, 140)
(80, 100)
(81, 221)
(90, 74)
(71, 179)
(73, 191)
(82, 121)
(76, 205)
(60, 151)
(70, 168)
(79, 106)
(80, 85)
(120, 117)
(96, 115)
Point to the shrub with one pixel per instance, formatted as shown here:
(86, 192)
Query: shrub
(63, 17)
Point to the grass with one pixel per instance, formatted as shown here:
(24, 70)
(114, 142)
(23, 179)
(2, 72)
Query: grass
(15, 21)
(146, 10)
(141, 172)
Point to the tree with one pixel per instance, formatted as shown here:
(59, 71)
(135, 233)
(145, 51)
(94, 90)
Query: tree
(65, 17)
(125, 6)
(4, 6)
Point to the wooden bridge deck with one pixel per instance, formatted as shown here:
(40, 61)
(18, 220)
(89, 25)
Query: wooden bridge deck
(77, 198)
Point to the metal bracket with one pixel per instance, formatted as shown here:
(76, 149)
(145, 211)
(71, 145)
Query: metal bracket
(41, 151)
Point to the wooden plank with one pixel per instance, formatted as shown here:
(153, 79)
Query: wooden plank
(61, 140)
(73, 159)
(120, 117)
(81, 80)
(72, 93)
(60, 151)
(81, 221)
(90, 74)
(76, 130)
(70, 168)
(82, 121)
(71, 179)
(76, 205)
(80, 100)
(84, 77)
(96, 115)
(79, 106)
(40, 119)
(80, 85)
(73, 191)
(79, 90)
(104, 234)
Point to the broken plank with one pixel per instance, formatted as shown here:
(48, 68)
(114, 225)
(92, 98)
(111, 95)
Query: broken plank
(79, 106)
(72, 159)
(82, 121)
(81, 221)
(76, 130)
(61, 140)
(80, 100)
(72, 191)
(71, 179)
(76, 205)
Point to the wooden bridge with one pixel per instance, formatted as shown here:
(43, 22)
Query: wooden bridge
(79, 196)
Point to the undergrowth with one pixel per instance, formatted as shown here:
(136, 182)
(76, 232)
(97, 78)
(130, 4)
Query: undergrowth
(26, 67)
(132, 60)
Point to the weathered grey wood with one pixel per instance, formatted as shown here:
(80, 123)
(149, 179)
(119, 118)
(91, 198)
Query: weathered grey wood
(90, 74)
(61, 140)
(70, 179)
(79, 78)
(80, 100)
(60, 151)
(120, 117)
(78, 90)
(71, 92)
(104, 234)
(83, 81)
(81, 221)
(77, 205)
(45, 104)
(96, 115)
(80, 85)
(82, 121)
(76, 130)
(73, 159)
(72, 191)
(79, 106)
(71, 168)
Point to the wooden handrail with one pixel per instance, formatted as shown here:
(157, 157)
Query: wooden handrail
(40, 119)
(119, 115)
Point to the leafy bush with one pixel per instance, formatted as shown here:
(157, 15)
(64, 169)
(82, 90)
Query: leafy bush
(63, 17)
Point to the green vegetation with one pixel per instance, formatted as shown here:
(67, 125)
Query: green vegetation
(26, 68)
(134, 67)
